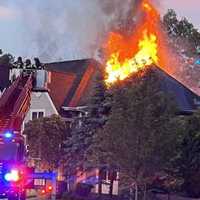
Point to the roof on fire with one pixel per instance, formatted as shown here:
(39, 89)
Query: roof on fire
(71, 80)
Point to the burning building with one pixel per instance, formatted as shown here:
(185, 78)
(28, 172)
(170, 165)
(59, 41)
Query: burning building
(129, 54)
(70, 84)
(147, 44)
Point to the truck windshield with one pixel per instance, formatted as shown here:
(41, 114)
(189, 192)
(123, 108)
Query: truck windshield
(9, 151)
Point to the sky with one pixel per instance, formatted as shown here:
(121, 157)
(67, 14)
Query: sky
(185, 8)
(70, 29)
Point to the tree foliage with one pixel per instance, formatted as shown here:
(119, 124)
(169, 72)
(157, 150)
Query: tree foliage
(6, 59)
(83, 128)
(181, 28)
(171, 22)
(45, 136)
(187, 158)
(139, 136)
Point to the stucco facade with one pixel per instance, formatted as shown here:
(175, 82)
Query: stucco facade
(40, 103)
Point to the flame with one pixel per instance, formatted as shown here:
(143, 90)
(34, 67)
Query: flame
(127, 55)
(150, 9)
(146, 55)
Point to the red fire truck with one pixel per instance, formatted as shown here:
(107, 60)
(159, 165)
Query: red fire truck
(14, 103)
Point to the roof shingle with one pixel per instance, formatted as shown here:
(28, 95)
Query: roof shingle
(82, 70)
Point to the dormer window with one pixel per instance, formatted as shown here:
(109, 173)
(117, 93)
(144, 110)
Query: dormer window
(36, 114)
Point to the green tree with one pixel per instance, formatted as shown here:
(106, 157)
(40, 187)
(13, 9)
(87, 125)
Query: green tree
(83, 128)
(6, 59)
(171, 22)
(45, 137)
(195, 39)
(187, 160)
(181, 29)
(140, 134)
(185, 28)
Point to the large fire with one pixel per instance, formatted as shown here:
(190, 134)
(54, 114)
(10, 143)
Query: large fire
(127, 55)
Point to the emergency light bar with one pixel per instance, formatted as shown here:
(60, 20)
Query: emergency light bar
(13, 175)
(8, 135)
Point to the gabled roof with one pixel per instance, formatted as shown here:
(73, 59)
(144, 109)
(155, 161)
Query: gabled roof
(72, 66)
(78, 73)
(73, 78)
(187, 101)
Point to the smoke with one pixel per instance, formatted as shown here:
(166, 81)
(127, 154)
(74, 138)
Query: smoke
(6, 13)
(68, 29)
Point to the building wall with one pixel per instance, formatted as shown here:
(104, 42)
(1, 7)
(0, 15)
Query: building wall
(106, 188)
(92, 177)
(40, 102)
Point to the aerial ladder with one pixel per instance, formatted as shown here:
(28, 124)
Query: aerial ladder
(14, 104)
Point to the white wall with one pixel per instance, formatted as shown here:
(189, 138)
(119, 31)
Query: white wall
(40, 101)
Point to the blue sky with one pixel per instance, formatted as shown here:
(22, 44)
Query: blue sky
(72, 26)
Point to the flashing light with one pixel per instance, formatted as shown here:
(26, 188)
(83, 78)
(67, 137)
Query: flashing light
(13, 175)
(50, 188)
(8, 135)
(43, 191)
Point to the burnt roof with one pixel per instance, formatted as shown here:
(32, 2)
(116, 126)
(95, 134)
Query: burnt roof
(77, 67)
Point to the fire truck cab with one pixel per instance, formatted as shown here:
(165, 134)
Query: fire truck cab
(13, 170)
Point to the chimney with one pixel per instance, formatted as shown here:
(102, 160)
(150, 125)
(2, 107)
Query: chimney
(40, 80)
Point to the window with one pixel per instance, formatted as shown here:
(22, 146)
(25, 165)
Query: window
(37, 114)
(40, 114)
(34, 115)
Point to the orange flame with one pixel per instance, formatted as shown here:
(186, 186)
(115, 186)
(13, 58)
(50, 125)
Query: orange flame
(127, 55)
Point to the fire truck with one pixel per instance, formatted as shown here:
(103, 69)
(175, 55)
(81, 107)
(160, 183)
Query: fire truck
(14, 104)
